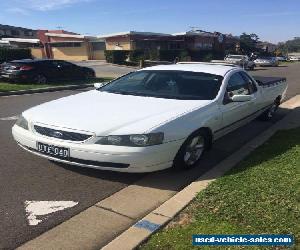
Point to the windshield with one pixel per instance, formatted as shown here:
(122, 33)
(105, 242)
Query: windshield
(167, 84)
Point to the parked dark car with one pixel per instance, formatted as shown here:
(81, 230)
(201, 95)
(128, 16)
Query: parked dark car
(43, 71)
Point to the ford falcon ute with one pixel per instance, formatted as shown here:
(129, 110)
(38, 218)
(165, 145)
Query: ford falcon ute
(152, 119)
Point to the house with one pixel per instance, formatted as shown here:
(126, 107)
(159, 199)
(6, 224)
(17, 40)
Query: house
(23, 43)
(194, 40)
(60, 44)
(17, 32)
(266, 46)
(134, 40)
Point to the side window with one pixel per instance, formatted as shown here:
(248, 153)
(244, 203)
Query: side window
(53, 63)
(66, 64)
(47, 64)
(252, 86)
(237, 85)
(62, 64)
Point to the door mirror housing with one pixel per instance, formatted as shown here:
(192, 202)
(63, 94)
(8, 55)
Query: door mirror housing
(241, 98)
(98, 85)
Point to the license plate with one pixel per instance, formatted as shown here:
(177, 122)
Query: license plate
(53, 150)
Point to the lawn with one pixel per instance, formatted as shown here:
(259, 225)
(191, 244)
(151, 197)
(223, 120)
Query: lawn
(259, 196)
(10, 86)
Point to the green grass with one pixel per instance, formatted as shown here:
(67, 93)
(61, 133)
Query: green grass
(260, 195)
(286, 62)
(11, 86)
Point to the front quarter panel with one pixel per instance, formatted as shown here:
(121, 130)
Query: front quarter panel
(184, 125)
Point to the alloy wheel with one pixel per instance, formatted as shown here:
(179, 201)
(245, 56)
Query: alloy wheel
(194, 150)
(40, 79)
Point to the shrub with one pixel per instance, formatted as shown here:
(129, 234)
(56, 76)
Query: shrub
(136, 55)
(120, 56)
(153, 55)
(169, 55)
(208, 57)
(116, 56)
(184, 55)
(7, 54)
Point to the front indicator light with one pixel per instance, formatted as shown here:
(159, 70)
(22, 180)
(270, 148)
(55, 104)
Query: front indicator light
(22, 122)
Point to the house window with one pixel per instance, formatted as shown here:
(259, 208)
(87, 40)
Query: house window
(15, 32)
(66, 44)
(207, 45)
(28, 33)
(198, 45)
(98, 46)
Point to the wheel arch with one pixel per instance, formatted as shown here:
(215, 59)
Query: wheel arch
(209, 132)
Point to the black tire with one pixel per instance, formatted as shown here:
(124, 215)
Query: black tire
(40, 79)
(268, 115)
(184, 162)
(252, 68)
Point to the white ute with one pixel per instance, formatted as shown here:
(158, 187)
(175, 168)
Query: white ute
(152, 119)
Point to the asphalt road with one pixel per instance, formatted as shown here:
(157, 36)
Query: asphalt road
(104, 69)
(25, 177)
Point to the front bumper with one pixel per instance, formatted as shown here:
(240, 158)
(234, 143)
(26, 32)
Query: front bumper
(104, 157)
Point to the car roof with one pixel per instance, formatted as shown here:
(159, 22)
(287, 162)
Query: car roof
(209, 68)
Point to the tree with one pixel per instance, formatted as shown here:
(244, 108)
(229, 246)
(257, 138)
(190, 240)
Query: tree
(248, 42)
(290, 46)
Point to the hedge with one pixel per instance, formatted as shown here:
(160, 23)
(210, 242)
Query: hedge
(7, 54)
(120, 56)
(116, 56)
(137, 55)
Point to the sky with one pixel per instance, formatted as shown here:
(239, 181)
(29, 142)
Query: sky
(271, 20)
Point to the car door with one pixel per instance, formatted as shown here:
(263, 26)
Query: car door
(53, 70)
(70, 70)
(235, 114)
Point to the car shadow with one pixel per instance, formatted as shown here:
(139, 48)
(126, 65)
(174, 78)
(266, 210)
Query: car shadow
(176, 180)
(126, 178)
(258, 69)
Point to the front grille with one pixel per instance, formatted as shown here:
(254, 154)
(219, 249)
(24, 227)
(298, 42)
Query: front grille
(60, 134)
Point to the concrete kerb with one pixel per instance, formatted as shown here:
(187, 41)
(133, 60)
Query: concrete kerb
(144, 228)
(49, 89)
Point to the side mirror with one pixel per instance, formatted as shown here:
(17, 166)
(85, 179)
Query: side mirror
(98, 85)
(241, 98)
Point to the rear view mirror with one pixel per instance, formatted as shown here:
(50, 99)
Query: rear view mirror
(241, 98)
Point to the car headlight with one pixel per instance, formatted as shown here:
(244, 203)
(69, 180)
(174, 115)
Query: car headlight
(141, 140)
(22, 122)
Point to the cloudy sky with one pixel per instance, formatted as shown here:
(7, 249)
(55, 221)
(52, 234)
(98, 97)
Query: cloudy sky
(272, 20)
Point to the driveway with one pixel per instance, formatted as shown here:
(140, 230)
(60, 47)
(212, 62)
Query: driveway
(104, 69)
